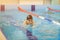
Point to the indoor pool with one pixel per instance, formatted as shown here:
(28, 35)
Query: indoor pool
(43, 29)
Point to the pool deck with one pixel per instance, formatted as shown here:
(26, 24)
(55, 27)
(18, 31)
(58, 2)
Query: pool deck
(2, 37)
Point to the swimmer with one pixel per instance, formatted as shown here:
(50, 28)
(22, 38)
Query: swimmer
(29, 20)
(29, 23)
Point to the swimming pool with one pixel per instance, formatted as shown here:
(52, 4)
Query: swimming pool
(44, 30)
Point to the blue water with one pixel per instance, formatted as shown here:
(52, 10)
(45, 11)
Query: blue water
(43, 29)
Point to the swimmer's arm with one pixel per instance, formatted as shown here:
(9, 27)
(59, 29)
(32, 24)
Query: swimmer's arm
(24, 23)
